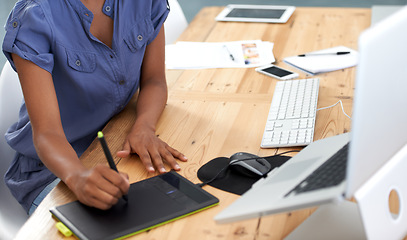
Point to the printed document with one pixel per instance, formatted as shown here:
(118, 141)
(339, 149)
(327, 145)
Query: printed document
(236, 54)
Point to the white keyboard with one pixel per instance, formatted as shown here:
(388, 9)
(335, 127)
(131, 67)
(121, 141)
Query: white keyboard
(291, 118)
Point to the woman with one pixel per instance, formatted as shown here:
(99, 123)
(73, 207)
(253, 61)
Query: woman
(79, 63)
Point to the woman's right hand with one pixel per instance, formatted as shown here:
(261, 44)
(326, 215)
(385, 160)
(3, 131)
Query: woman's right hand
(99, 187)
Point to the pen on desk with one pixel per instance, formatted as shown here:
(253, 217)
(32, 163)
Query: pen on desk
(108, 155)
(230, 54)
(319, 54)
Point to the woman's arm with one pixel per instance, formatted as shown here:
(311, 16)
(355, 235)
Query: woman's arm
(99, 187)
(150, 104)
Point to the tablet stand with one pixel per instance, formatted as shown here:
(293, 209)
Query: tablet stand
(370, 217)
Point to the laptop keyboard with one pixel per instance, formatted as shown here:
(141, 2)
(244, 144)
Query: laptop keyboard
(331, 173)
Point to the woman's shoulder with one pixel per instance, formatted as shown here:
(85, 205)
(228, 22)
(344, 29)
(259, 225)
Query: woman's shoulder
(29, 9)
(34, 14)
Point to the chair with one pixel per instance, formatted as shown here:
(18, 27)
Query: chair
(175, 23)
(12, 215)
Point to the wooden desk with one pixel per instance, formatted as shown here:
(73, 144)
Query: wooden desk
(217, 112)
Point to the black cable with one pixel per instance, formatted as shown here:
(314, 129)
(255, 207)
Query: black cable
(286, 152)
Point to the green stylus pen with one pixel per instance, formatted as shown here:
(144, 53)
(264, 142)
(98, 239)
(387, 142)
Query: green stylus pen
(108, 155)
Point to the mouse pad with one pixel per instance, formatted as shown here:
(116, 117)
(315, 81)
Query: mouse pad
(229, 180)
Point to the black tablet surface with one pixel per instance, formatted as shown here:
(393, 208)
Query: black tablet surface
(151, 203)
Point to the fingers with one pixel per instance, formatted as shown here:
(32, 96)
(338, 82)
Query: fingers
(125, 152)
(113, 183)
(150, 158)
(125, 176)
(177, 154)
(153, 152)
(169, 158)
(101, 187)
(153, 156)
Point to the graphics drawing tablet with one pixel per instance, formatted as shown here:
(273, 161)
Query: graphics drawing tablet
(151, 203)
(256, 13)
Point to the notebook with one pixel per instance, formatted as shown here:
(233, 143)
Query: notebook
(325, 62)
(151, 203)
(378, 124)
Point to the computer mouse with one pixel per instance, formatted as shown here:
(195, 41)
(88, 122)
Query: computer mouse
(249, 164)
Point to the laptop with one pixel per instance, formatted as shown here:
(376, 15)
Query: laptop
(379, 131)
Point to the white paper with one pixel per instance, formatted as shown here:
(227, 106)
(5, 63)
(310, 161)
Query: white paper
(325, 63)
(237, 54)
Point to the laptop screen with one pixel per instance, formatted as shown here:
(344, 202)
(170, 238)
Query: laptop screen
(379, 118)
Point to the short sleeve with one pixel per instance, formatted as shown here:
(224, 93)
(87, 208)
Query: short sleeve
(29, 35)
(159, 13)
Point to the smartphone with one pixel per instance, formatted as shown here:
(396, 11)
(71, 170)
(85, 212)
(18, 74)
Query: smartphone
(277, 72)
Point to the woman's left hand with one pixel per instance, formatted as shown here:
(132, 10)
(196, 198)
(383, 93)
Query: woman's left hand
(153, 152)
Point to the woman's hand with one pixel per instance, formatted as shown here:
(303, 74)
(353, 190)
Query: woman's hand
(99, 187)
(151, 102)
(151, 150)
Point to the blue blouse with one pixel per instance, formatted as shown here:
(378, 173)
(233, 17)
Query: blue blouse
(93, 82)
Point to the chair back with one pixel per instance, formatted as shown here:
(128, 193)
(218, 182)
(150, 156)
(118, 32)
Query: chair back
(176, 22)
(12, 215)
